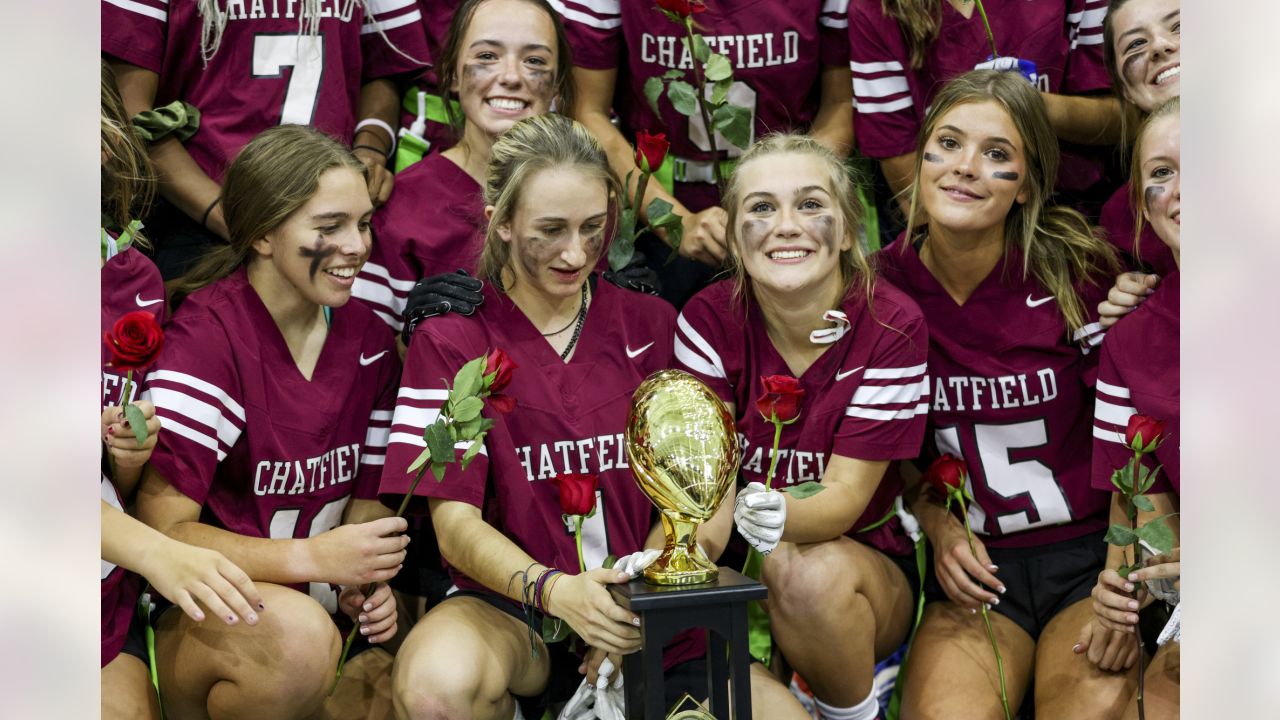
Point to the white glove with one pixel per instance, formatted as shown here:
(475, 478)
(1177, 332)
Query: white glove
(609, 698)
(636, 562)
(1025, 68)
(760, 514)
(582, 705)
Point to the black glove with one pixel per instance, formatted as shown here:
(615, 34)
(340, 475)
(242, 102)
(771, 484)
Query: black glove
(637, 275)
(440, 294)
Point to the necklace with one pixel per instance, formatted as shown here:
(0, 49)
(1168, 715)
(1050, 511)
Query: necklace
(577, 329)
(576, 318)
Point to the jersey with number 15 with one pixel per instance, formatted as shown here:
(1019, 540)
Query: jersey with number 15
(1013, 397)
(264, 72)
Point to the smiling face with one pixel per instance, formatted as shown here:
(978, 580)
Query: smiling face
(557, 232)
(974, 168)
(1161, 179)
(1146, 43)
(320, 248)
(789, 235)
(506, 66)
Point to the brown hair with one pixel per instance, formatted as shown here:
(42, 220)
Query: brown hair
(1058, 246)
(451, 53)
(532, 145)
(128, 178)
(1130, 114)
(919, 22)
(273, 176)
(1172, 107)
(855, 268)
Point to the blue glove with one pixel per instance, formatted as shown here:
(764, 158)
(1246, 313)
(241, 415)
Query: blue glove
(1025, 68)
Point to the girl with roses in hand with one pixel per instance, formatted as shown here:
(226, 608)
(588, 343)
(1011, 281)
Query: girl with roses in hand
(1007, 284)
(1139, 374)
(576, 350)
(275, 394)
(805, 303)
(133, 307)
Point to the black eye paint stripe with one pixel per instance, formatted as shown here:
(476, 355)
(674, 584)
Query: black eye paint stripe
(318, 254)
(930, 157)
(1005, 175)
(1149, 194)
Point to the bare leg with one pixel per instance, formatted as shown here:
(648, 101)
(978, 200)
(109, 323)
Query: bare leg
(127, 693)
(1067, 684)
(770, 699)
(952, 672)
(464, 661)
(1163, 685)
(365, 690)
(835, 607)
(280, 668)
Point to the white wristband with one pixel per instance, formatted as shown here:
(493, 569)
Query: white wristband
(375, 122)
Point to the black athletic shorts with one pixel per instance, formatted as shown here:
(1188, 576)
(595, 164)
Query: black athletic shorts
(1040, 581)
(135, 641)
(687, 677)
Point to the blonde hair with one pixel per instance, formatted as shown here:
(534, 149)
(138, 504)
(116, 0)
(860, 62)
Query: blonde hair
(213, 23)
(855, 268)
(919, 22)
(128, 178)
(537, 143)
(276, 173)
(1059, 248)
(1130, 114)
(1172, 107)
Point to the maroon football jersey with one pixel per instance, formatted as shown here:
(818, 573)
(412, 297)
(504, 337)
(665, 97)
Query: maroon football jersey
(1139, 374)
(777, 50)
(1063, 39)
(866, 397)
(264, 73)
(130, 282)
(268, 453)
(1013, 397)
(433, 223)
(120, 589)
(1117, 221)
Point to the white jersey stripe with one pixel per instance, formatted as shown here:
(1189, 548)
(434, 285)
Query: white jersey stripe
(869, 414)
(141, 9)
(1092, 18)
(377, 415)
(875, 67)
(415, 417)
(378, 294)
(376, 438)
(170, 425)
(708, 352)
(1108, 435)
(195, 410)
(833, 23)
(584, 18)
(894, 373)
(377, 7)
(409, 393)
(885, 107)
(1112, 413)
(379, 271)
(405, 438)
(1113, 390)
(373, 459)
(1091, 39)
(373, 26)
(880, 87)
(601, 7)
(391, 322)
(1089, 331)
(889, 394)
(694, 362)
(196, 383)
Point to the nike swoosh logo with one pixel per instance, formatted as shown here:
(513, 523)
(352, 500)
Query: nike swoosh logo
(369, 361)
(1037, 303)
(633, 354)
(145, 303)
(842, 375)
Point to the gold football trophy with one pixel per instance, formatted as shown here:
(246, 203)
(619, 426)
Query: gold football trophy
(684, 454)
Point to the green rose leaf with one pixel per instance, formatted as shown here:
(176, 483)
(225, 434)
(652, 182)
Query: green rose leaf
(421, 460)
(1151, 478)
(653, 91)
(437, 469)
(683, 98)
(718, 68)
(1120, 479)
(471, 453)
(623, 245)
(439, 442)
(720, 92)
(1120, 535)
(467, 409)
(734, 123)
(673, 74)
(805, 489)
(609, 562)
(137, 422)
(1143, 503)
(1158, 535)
(469, 380)
(700, 50)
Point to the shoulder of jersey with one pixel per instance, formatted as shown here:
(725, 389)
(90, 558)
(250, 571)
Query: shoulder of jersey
(892, 305)
(640, 308)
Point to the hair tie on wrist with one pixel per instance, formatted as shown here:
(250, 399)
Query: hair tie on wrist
(370, 147)
(375, 122)
(204, 220)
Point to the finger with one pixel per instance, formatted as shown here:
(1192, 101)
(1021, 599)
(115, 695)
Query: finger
(765, 518)
(627, 621)
(183, 600)
(1157, 572)
(1111, 656)
(763, 501)
(384, 187)
(1084, 640)
(206, 595)
(1113, 605)
(1130, 656)
(377, 630)
(1096, 651)
(232, 598)
(765, 534)
(1110, 579)
(384, 575)
(243, 584)
(389, 525)
(973, 594)
(976, 571)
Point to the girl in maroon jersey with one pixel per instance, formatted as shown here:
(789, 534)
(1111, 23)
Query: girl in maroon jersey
(838, 566)
(1139, 374)
(1007, 284)
(275, 394)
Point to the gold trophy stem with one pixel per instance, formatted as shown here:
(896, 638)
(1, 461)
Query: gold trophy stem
(682, 562)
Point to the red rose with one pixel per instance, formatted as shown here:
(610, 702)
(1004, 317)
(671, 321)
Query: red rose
(946, 473)
(497, 371)
(782, 396)
(1143, 433)
(135, 341)
(577, 493)
(651, 149)
(683, 8)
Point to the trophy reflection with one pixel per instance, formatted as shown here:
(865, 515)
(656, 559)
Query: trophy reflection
(684, 454)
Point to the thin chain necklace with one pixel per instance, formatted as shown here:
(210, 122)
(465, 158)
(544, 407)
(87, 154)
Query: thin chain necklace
(577, 323)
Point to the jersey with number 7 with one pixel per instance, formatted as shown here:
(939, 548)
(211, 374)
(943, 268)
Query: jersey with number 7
(264, 72)
(1013, 396)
